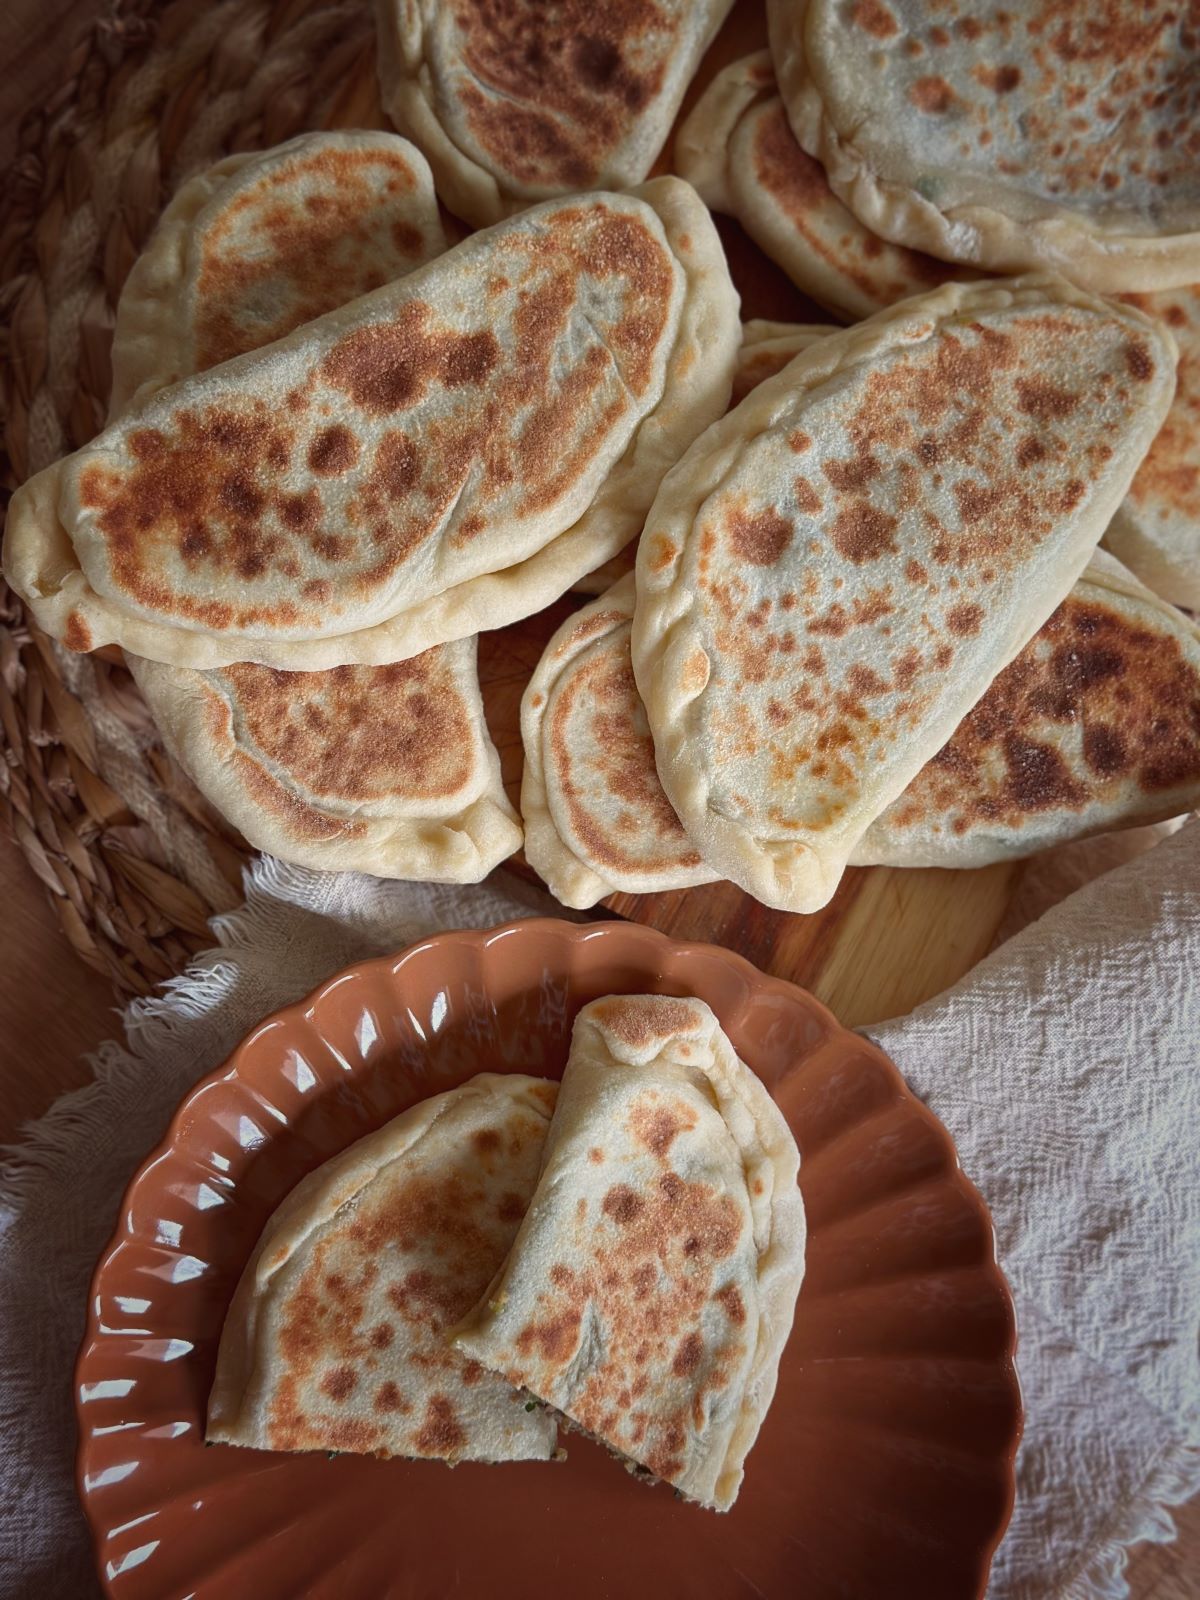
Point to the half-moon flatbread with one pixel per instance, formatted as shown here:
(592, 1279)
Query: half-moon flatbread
(1007, 137)
(264, 241)
(335, 1339)
(1095, 725)
(520, 101)
(738, 150)
(596, 818)
(388, 770)
(835, 572)
(650, 1290)
(448, 453)
(1156, 532)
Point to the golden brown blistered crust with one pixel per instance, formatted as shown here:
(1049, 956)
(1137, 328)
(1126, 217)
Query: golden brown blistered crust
(1168, 480)
(359, 733)
(883, 272)
(313, 251)
(1131, 692)
(615, 755)
(928, 415)
(654, 1263)
(205, 487)
(327, 1351)
(1109, 101)
(639, 1025)
(553, 89)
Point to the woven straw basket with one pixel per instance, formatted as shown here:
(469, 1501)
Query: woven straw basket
(134, 859)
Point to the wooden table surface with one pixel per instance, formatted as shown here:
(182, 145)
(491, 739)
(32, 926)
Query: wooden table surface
(52, 1009)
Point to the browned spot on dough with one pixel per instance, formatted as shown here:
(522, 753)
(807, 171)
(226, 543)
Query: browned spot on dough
(807, 499)
(688, 1356)
(77, 635)
(656, 1126)
(441, 1432)
(864, 533)
(932, 94)
(1000, 80)
(1030, 450)
(1045, 401)
(339, 1383)
(334, 450)
(639, 1022)
(873, 17)
(965, 619)
(1105, 751)
(1139, 361)
(622, 1204)
(1038, 778)
(389, 365)
(389, 1398)
(761, 537)
(730, 1299)
(554, 1340)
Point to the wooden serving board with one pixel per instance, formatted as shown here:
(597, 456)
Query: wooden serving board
(890, 938)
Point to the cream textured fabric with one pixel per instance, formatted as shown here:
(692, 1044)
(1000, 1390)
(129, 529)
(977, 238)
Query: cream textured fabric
(1065, 1067)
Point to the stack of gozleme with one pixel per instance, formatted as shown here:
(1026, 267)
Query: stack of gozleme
(300, 543)
(818, 663)
(503, 1239)
(388, 768)
(802, 654)
(337, 450)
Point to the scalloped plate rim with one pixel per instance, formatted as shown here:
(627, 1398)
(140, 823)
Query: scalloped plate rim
(569, 933)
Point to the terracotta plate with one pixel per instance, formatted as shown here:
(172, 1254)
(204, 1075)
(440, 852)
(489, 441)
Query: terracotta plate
(885, 1467)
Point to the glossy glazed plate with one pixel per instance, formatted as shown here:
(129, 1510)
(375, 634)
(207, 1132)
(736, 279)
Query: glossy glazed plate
(885, 1466)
